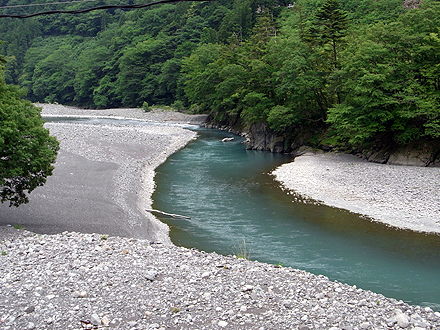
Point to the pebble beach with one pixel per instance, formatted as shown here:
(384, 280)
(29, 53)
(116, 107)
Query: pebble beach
(76, 279)
(404, 197)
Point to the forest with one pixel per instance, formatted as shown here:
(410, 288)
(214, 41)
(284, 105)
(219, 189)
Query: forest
(340, 73)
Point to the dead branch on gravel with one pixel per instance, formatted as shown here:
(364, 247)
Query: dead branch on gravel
(169, 214)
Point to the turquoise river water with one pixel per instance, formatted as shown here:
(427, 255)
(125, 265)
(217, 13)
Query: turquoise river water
(235, 206)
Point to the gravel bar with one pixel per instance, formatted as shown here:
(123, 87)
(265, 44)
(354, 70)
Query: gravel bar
(405, 197)
(91, 281)
(104, 174)
(73, 280)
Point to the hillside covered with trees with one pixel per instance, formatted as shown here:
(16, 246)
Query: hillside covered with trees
(346, 73)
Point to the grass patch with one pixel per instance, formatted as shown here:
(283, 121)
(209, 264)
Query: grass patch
(243, 251)
(175, 310)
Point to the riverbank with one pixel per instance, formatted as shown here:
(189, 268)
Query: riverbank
(405, 197)
(104, 174)
(91, 281)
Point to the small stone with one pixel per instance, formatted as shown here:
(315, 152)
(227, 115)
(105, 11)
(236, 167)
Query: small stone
(10, 320)
(222, 324)
(95, 319)
(402, 320)
(364, 326)
(30, 309)
(418, 321)
(247, 288)
(125, 251)
(105, 321)
(206, 274)
(150, 275)
(390, 322)
(288, 304)
(31, 326)
(320, 295)
(398, 311)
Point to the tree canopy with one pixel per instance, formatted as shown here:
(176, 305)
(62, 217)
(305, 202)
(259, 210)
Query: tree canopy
(27, 151)
(347, 73)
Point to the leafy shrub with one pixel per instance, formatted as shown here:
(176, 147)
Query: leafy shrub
(146, 107)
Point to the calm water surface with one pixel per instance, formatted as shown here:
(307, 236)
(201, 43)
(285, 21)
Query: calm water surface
(233, 202)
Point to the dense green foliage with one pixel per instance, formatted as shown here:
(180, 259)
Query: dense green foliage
(27, 152)
(350, 72)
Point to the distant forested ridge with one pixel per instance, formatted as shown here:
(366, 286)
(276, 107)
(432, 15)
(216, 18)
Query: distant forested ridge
(327, 73)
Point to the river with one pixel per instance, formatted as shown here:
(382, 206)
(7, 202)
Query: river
(236, 207)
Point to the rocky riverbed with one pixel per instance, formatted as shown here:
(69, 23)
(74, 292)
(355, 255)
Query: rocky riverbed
(74, 280)
(91, 281)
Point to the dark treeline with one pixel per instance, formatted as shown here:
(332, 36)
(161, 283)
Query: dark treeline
(344, 73)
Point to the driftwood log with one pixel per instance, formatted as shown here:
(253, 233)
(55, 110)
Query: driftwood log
(169, 214)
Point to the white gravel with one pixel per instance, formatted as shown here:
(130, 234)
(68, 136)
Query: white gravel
(89, 281)
(137, 150)
(157, 116)
(406, 197)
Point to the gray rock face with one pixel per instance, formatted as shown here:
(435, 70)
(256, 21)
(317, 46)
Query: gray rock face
(415, 154)
(69, 281)
(260, 137)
